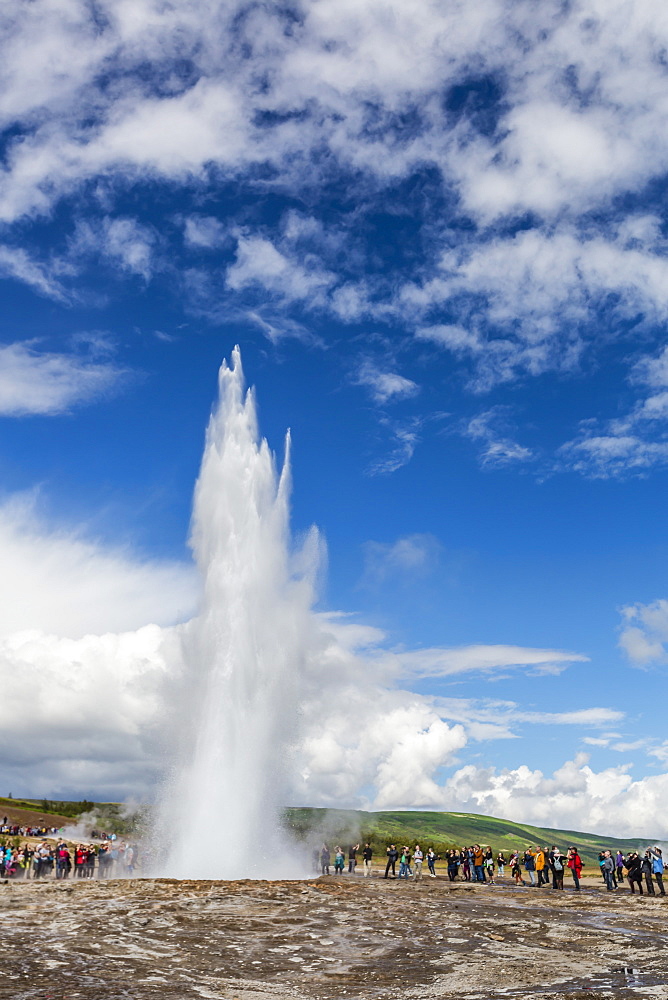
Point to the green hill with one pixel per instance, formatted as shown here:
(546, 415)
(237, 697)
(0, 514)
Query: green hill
(110, 815)
(441, 831)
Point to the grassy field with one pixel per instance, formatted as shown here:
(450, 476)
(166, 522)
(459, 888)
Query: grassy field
(441, 831)
(111, 816)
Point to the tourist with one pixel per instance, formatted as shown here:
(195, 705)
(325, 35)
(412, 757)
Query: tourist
(130, 855)
(501, 862)
(601, 862)
(63, 861)
(418, 858)
(608, 868)
(431, 862)
(403, 863)
(633, 866)
(657, 868)
(339, 861)
(542, 869)
(619, 865)
(478, 862)
(352, 858)
(79, 860)
(515, 869)
(574, 862)
(325, 858)
(489, 865)
(557, 865)
(89, 864)
(530, 865)
(42, 861)
(453, 864)
(392, 858)
(648, 872)
(114, 855)
(367, 855)
(104, 861)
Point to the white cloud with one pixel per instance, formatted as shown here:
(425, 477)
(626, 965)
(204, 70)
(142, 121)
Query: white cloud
(537, 291)
(124, 242)
(456, 338)
(89, 719)
(575, 797)
(58, 581)
(438, 662)
(384, 386)
(660, 752)
(604, 456)
(93, 713)
(204, 231)
(497, 448)
(644, 633)
(633, 443)
(370, 92)
(259, 263)
(407, 557)
(15, 262)
(404, 439)
(48, 383)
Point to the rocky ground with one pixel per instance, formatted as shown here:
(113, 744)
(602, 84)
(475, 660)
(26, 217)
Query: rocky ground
(326, 938)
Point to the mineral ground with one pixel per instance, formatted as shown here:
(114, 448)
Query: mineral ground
(326, 938)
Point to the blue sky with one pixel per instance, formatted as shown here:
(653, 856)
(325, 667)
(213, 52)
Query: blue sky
(439, 235)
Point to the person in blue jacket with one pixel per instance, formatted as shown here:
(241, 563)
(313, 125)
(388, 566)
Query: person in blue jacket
(657, 868)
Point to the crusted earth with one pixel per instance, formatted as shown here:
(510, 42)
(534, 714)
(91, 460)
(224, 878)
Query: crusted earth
(326, 938)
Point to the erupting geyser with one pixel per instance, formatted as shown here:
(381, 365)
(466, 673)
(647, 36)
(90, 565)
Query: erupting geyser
(243, 657)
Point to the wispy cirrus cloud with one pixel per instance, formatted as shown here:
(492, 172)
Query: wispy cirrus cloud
(385, 386)
(635, 442)
(44, 383)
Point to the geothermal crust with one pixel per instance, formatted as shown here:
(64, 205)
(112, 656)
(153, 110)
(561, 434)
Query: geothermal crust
(326, 938)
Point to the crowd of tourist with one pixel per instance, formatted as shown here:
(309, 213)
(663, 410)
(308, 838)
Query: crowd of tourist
(14, 830)
(105, 860)
(536, 866)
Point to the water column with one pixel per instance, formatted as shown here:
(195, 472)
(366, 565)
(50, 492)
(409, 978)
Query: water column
(243, 656)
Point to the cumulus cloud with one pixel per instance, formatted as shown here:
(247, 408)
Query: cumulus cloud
(123, 242)
(89, 721)
(34, 382)
(525, 121)
(644, 633)
(204, 231)
(574, 797)
(91, 714)
(259, 263)
(58, 581)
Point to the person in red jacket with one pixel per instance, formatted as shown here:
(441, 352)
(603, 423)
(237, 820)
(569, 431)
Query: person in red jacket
(574, 862)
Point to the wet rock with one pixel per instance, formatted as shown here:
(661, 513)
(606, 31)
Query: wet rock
(354, 938)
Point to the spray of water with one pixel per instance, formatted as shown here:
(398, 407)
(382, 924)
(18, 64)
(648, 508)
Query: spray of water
(220, 817)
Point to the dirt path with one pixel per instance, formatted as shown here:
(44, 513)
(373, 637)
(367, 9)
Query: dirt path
(326, 938)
